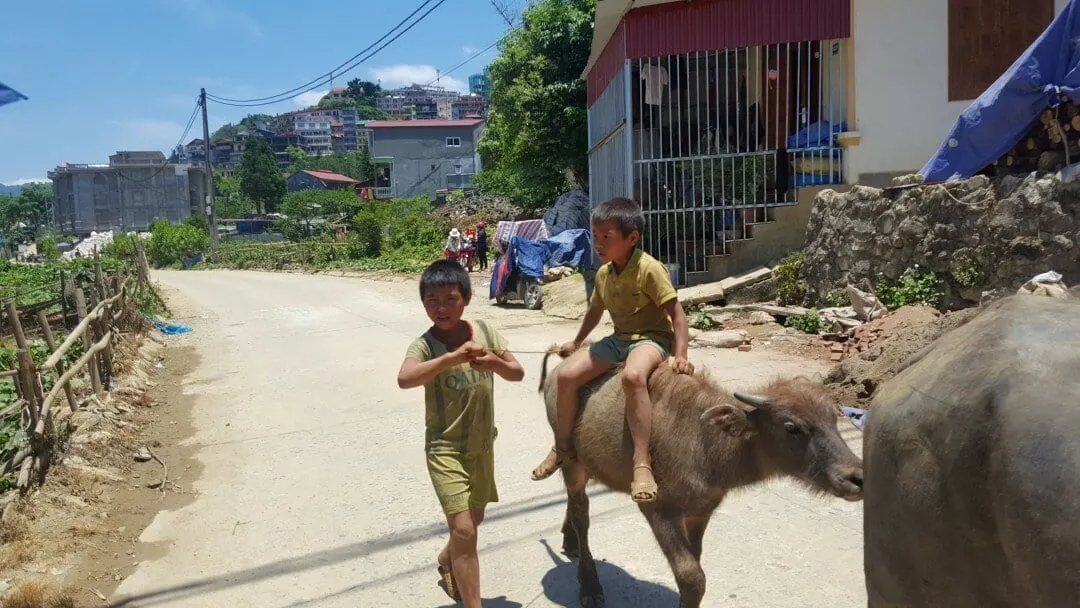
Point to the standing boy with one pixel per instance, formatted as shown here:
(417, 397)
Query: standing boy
(636, 291)
(455, 361)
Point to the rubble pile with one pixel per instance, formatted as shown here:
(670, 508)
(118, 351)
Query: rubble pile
(479, 208)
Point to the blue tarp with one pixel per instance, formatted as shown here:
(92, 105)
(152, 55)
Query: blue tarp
(169, 329)
(816, 135)
(528, 258)
(10, 95)
(569, 248)
(1001, 117)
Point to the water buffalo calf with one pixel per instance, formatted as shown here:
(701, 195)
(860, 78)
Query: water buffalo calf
(973, 466)
(705, 443)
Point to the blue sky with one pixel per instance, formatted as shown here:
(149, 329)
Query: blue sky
(124, 74)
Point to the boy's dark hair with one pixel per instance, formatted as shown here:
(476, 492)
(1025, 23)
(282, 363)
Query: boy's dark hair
(445, 273)
(621, 212)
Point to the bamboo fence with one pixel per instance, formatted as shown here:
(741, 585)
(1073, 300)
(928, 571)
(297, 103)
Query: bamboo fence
(97, 330)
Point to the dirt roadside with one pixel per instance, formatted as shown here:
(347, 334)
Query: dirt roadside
(71, 541)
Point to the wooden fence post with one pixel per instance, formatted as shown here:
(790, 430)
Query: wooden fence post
(43, 319)
(27, 375)
(95, 369)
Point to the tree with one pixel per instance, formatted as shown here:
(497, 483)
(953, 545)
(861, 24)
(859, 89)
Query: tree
(260, 179)
(230, 202)
(361, 89)
(356, 165)
(536, 142)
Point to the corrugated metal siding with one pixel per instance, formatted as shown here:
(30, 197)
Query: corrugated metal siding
(609, 110)
(674, 28)
(607, 169)
(608, 65)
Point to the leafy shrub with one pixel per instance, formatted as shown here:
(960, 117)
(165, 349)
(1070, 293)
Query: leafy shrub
(809, 323)
(122, 247)
(699, 319)
(46, 247)
(169, 245)
(915, 286)
(966, 269)
(790, 280)
(367, 236)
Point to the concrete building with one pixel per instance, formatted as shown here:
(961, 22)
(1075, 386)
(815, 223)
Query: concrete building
(418, 102)
(469, 106)
(480, 84)
(724, 118)
(314, 131)
(419, 157)
(127, 194)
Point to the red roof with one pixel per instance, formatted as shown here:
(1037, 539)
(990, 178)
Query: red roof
(327, 176)
(387, 124)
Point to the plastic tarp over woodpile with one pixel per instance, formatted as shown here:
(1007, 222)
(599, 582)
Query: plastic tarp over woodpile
(998, 119)
(571, 211)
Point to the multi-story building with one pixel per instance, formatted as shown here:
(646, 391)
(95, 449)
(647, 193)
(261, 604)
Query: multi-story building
(127, 194)
(415, 102)
(469, 106)
(342, 124)
(420, 157)
(480, 84)
(314, 131)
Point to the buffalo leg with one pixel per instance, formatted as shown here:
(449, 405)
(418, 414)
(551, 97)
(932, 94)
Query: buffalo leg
(674, 542)
(590, 593)
(569, 537)
(695, 532)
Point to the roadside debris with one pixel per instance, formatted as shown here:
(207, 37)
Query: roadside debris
(1047, 284)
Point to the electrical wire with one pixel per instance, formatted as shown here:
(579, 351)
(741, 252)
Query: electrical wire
(469, 59)
(341, 70)
(183, 136)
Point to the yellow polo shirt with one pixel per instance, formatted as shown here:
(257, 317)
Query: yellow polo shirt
(635, 298)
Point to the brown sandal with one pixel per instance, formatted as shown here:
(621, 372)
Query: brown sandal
(448, 582)
(648, 489)
(546, 469)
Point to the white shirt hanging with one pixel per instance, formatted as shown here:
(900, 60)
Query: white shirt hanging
(656, 78)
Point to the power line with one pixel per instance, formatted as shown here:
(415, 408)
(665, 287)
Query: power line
(183, 136)
(340, 70)
(468, 60)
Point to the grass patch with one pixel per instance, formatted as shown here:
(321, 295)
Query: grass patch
(36, 594)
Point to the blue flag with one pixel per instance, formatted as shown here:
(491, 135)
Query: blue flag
(10, 95)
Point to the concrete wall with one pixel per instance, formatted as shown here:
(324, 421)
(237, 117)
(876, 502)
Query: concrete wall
(901, 86)
(127, 200)
(772, 241)
(422, 160)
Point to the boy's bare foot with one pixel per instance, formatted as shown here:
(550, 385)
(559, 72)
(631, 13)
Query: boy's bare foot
(643, 488)
(554, 461)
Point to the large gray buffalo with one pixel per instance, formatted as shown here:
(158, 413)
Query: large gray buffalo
(972, 459)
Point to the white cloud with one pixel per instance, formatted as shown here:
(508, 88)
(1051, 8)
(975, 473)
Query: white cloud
(468, 50)
(306, 100)
(396, 76)
(215, 15)
(27, 180)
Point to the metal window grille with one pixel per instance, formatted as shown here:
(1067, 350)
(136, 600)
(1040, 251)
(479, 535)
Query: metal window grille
(718, 140)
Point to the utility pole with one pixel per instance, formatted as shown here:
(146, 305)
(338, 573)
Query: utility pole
(209, 176)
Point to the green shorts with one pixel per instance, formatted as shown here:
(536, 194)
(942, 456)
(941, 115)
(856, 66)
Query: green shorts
(616, 350)
(463, 481)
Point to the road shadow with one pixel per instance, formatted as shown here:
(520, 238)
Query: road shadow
(621, 589)
(498, 602)
(321, 559)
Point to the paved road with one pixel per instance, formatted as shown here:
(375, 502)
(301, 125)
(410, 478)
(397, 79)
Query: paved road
(315, 491)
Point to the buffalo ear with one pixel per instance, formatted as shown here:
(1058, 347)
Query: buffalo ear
(731, 419)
